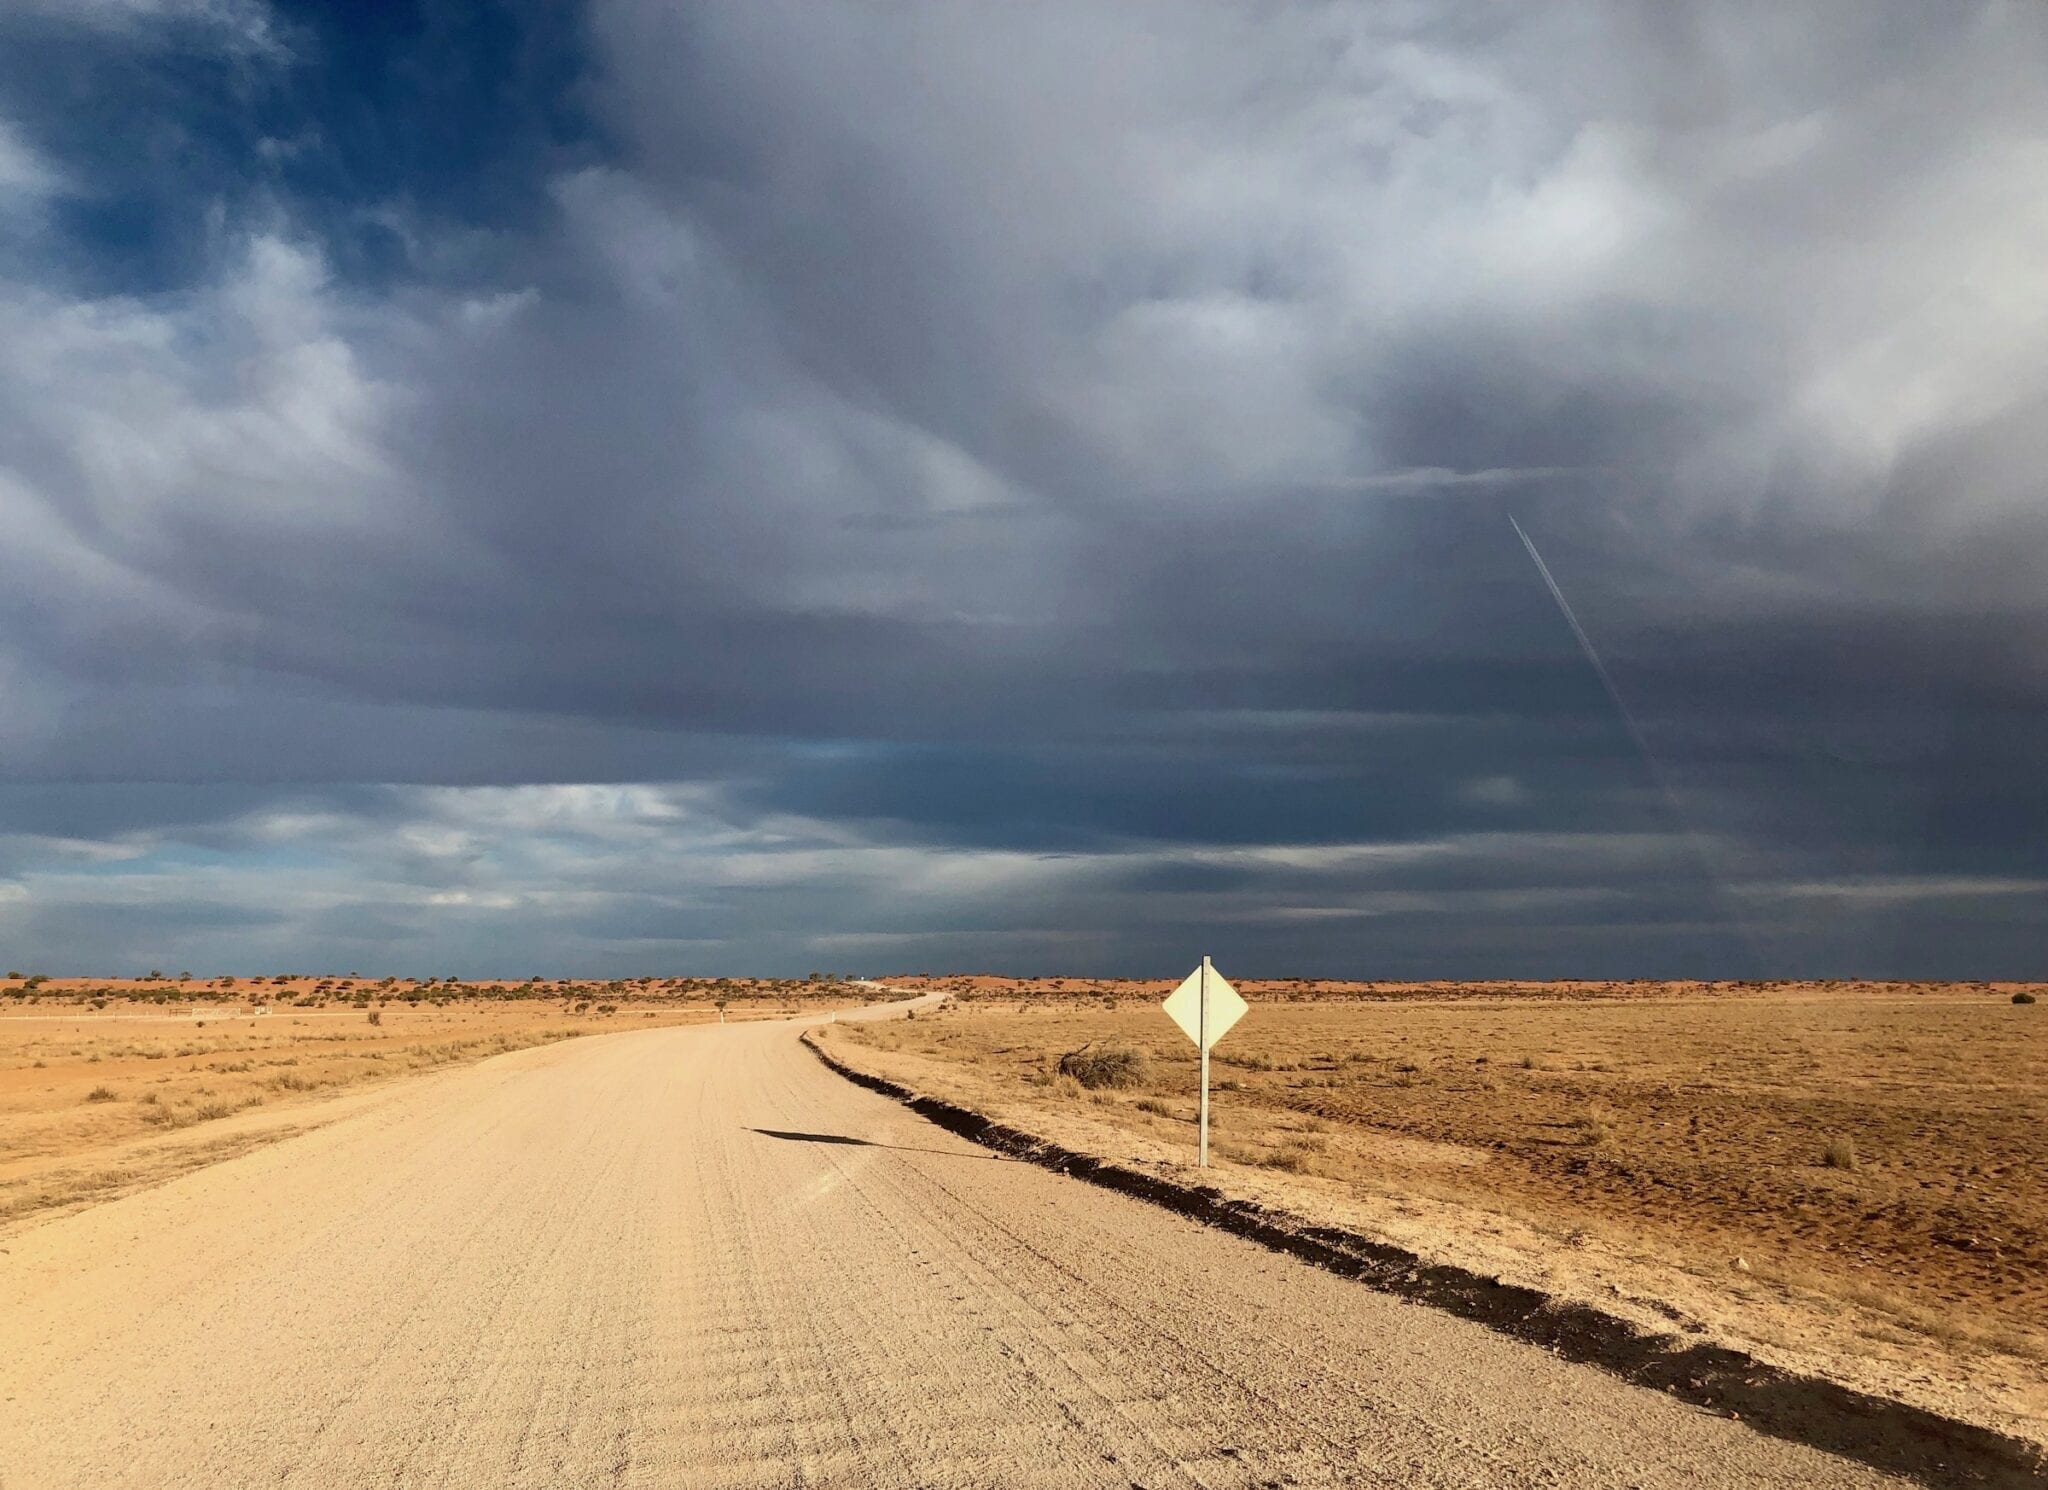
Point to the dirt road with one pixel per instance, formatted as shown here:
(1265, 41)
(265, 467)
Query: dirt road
(695, 1257)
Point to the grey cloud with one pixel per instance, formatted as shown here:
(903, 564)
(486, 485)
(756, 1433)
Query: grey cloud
(1052, 430)
(504, 881)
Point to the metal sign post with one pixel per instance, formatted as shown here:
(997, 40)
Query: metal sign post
(1205, 1006)
(1202, 1107)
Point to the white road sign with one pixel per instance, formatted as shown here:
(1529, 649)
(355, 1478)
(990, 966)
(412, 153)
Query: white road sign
(1205, 1007)
(1184, 1007)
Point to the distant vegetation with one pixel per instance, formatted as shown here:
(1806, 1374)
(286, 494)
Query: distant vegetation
(304, 991)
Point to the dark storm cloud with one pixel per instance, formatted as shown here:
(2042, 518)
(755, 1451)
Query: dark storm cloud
(1017, 474)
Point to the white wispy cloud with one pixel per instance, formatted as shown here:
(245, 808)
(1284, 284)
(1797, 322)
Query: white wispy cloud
(247, 27)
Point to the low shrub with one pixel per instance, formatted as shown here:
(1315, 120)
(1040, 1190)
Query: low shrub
(2023, 997)
(1245, 1061)
(1839, 1154)
(1104, 1066)
(1295, 1156)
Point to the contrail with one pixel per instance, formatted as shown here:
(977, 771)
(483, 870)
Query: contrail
(1571, 619)
(1642, 744)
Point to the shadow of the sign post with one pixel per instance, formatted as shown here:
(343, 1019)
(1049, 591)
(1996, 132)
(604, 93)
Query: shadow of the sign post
(790, 1136)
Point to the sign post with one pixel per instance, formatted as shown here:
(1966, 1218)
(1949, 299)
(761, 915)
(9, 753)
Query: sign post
(1205, 1006)
(1202, 1107)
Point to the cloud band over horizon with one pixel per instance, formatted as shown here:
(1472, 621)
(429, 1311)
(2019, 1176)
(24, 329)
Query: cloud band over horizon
(505, 489)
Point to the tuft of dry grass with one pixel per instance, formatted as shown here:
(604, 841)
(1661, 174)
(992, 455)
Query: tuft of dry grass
(1594, 1127)
(1244, 1060)
(1295, 1158)
(1840, 1153)
(1104, 1066)
(101, 1094)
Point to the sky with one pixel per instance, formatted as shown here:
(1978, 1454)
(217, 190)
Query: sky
(615, 487)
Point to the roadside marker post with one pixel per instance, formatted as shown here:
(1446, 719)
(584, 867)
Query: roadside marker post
(1205, 1007)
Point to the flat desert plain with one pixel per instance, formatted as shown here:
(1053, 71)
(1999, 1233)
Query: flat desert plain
(1846, 1178)
(103, 1090)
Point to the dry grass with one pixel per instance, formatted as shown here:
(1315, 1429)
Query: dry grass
(1886, 1150)
(1104, 1066)
(92, 1105)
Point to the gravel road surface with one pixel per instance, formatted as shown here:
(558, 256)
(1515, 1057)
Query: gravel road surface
(696, 1257)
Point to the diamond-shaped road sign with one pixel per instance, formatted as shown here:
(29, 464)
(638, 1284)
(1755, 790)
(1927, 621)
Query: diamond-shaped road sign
(1184, 1007)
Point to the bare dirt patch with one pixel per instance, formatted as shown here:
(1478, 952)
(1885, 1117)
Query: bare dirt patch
(1850, 1179)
